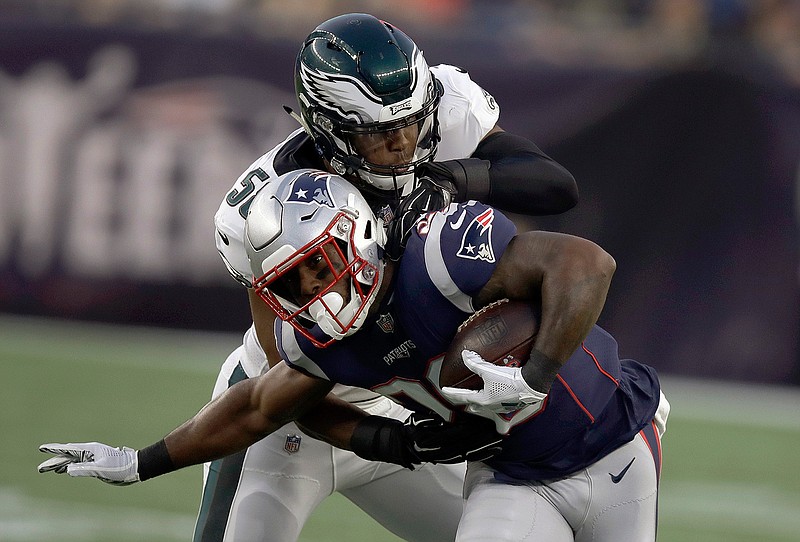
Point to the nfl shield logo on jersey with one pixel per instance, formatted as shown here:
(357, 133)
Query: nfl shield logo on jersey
(292, 443)
(385, 213)
(385, 323)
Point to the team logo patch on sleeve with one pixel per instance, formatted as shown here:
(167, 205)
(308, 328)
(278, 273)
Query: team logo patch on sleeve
(311, 188)
(476, 244)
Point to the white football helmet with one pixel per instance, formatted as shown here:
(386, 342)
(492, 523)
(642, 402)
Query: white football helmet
(359, 77)
(311, 219)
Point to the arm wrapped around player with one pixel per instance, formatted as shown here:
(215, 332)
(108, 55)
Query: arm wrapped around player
(425, 438)
(509, 172)
(429, 195)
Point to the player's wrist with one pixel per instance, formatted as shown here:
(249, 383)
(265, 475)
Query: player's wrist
(540, 372)
(154, 460)
(377, 438)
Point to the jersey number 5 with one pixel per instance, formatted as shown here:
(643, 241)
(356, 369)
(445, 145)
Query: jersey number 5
(243, 197)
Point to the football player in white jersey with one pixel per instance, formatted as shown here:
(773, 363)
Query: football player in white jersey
(411, 138)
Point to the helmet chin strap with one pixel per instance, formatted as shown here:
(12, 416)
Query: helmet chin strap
(352, 165)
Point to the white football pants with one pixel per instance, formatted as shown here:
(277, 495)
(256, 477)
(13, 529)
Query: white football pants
(268, 492)
(614, 499)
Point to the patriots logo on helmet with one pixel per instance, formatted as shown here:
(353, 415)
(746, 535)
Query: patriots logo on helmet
(311, 188)
(476, 244)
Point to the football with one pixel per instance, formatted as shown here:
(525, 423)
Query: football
(501, 332)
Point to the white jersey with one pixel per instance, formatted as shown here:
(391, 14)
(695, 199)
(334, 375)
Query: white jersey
(466, 114)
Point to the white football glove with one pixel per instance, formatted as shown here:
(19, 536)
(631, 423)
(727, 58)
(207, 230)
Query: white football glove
(504, 389)
(117, 466)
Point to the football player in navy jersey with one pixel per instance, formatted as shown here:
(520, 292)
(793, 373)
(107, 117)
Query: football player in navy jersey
(411, 138)
(580, 458)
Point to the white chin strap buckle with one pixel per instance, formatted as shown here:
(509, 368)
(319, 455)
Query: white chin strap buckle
(324, 317)
(332, 300)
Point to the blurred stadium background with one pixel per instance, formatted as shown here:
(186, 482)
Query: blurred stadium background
(124, 122)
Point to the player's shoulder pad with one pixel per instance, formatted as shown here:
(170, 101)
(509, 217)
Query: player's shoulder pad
(450, 75)
(466, 113)
(458, 85)
(462, 244)
(297, 351)
(229, 220)
(229, 240)
(468, 229)
(229, 233)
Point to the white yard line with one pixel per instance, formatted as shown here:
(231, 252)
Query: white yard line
(747, 509)
(26, 519)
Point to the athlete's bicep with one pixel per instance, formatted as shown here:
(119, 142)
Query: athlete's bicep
(535, 259)
(264, 321)
(567, 276)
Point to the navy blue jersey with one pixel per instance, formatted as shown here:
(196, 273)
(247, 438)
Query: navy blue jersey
(597, 402)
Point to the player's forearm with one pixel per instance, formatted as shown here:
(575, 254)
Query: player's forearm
(333, 421)
(231, 422)
(522, 179)
(569, 277)
(228, 424)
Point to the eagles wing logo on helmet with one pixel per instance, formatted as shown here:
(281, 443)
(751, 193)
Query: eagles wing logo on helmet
(350, 97)
(343, 94)
(476, 244)
(357, 75)
(311, 188)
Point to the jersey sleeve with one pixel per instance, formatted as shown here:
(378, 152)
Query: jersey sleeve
(466, 113)
(462, 246)
(229, 219)
(292, 351)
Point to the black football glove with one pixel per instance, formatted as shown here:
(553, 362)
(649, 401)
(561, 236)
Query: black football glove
(467, 178)
(434, 440)
(425, 438)
(426, 197)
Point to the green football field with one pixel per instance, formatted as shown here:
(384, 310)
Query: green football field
(730, 454)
